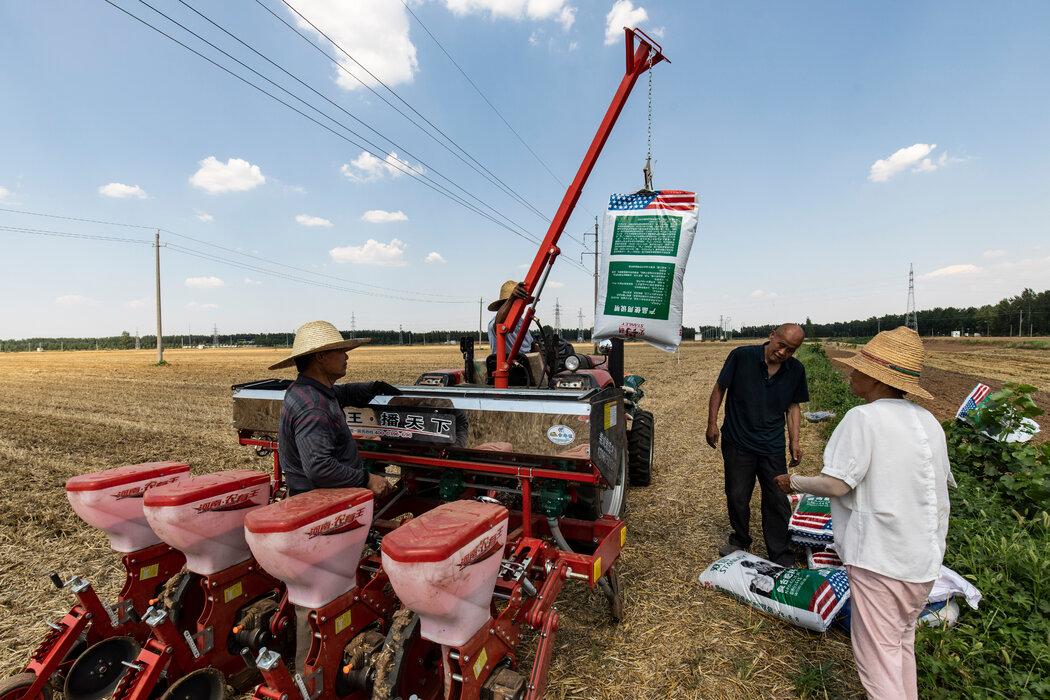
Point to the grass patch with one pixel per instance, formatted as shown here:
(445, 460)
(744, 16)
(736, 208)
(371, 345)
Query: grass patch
(815, 680)
(827, 390)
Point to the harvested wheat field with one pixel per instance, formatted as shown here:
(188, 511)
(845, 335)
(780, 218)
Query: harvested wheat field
(70, 413)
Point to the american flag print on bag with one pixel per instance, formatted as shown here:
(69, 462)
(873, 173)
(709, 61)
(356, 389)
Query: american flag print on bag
(979, 394)
(811, 522)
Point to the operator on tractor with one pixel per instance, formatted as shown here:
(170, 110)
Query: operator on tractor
(315, 446)
(510, 291)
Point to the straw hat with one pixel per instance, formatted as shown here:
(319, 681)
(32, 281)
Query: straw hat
(893, 358)
(504, 294)
(317, 336)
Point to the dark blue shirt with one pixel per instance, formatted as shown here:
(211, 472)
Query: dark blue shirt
(314, 443)
(756, 403)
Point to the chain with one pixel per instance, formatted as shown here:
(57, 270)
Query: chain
(649, 145)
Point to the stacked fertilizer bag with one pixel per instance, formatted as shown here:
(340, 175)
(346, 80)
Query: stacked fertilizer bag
(818, 596)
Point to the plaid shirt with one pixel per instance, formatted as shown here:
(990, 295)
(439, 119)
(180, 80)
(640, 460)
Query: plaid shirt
(315, 446)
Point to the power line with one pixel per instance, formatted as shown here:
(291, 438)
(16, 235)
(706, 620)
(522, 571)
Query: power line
(452, 299)
(506, 188)
(399, 164)
(393, 143)
(478, 90)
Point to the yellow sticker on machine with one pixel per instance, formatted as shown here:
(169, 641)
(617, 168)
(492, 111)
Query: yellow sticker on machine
(233, 592)
(479, 665)
(342, 622)
(623, 536)
(148, 572)
(610, 414)
(597, 569)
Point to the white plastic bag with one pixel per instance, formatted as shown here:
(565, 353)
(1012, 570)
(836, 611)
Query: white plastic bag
(645, 247)
(806, 597)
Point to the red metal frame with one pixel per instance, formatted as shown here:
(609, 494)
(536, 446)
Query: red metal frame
(144, 570)
(639, 60)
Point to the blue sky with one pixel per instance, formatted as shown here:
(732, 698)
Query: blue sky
(833, 144)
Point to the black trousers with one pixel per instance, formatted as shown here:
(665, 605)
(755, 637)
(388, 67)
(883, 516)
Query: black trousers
(742, 468)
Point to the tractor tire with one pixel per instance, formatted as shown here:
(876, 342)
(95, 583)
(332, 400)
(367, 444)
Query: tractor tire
(640, 449)
(592, 502)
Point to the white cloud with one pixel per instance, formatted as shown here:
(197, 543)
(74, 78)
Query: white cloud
(555, 285)
(994, 253)
(623, 14)
(249, 280)
(137, 303)
(914, 157)
(378, 216)
(75, 300)
(6, 196)
(367, 168)
(203, 282)
(119, 191)
(375, 32)
(204, 216)
(295, 189)
(951, 271)
(196, 305)
(434, 257)
(235, 175)
(373, 252)
(307, 220)
(759, 294)
(557, 10)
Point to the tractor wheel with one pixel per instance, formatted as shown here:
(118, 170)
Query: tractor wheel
(640, 449)
(14, 688)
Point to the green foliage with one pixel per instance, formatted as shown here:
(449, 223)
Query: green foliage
(827, 390)
(1000, 650)
(814, 680)
(1019, 471)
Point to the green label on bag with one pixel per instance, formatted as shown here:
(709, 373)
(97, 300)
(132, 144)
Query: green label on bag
(646, 235)
(638, 289)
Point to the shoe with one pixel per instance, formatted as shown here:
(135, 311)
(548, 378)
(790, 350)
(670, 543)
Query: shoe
(726, 550)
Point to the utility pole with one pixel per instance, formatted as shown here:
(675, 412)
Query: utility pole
(481, 305)
(910, 319)
(399, 339)
(160, 336)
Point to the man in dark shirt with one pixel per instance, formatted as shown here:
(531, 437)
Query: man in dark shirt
(315, 446)
(764, 385)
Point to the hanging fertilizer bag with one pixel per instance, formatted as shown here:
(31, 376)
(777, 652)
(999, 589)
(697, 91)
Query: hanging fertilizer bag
(806, 597)
(645, 246)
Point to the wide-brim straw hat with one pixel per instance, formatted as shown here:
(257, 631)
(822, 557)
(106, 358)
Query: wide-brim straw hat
(504, 294)
(317, 336)
(893, 358)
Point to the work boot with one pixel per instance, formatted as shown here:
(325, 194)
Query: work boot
(727, 549)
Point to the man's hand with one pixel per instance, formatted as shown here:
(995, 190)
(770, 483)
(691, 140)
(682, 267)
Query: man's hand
(796, 455)
(712, 436)
(384, 389)
(378, 485)
(784, 482)
(519, 292)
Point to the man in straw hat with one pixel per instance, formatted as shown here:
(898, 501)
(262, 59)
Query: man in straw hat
(315, 446)
(886, 471)
(510, 291)
(764, 386)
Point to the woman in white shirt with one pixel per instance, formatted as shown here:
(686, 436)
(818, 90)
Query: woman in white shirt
(887, 473)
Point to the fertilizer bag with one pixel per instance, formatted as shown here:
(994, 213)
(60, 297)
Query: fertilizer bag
(808, 598)
(810, 524)
(646, 243)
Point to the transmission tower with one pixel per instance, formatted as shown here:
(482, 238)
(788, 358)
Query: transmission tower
(557, 316)
(579, 327)
(215, 336)
(910, 319)
(353, 325)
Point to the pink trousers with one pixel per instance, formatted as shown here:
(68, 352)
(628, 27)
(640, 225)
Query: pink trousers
(882, 622)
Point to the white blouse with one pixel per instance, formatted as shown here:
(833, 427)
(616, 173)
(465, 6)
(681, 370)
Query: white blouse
(894, 520)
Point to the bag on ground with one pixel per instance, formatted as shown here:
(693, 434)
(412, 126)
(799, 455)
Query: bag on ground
(805, 597)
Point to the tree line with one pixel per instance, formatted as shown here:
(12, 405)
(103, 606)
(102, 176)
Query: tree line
(1026, 314)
